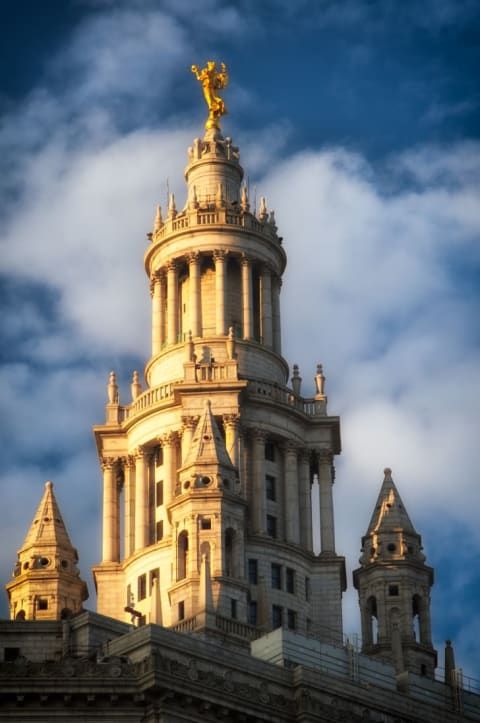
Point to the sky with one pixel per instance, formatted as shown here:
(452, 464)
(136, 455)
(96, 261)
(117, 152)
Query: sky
(359, 121)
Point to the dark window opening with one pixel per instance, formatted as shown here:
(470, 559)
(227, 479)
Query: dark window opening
(142, 587)
(233, 609)
(10, 654)
(253, 572)
(290, 580)
(181, 610)
(42, 604)
(270, 487)
(307, 589)
(159, 493)
(252, 612)
(276, 576)
(206, 523)
(291, 619)
(393, 590)
(277, 615)
(272, 526)
(159, 530)
(270, 451)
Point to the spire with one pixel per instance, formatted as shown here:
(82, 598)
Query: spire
(46, 582)
(389, 513)
(48, 527)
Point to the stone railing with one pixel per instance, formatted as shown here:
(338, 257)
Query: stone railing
(283, 395)
(225, 625)
(155, 395)
(228, 217)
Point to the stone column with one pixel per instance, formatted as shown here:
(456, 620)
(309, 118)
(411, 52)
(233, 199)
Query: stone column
(327, 530)
(247, 298)
(129, 486)
(141, 499)
(157, 292)
(266, 306)
(276, 322)
(110, 541)
(169, 444)
(305, 498)
(194, 296)
(188, 427)
(292, 524)
(230, 422)
(172, 302)
(258, 481)
(219, 257)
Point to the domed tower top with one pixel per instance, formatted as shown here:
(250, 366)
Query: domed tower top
(47, 583)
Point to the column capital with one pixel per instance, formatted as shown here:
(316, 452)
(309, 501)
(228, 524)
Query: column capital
(219, 254)
(188, 421)
(245, 259)
(304, 454)
(259, 435)
(108, 462)
(171, 265)
(169, 439)
(193, 257)
(290, 447)
(325, 456)
(231, 419)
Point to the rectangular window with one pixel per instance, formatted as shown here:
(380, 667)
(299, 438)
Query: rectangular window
(307, 589)
(253, 572)
(270, 451)
(233, 609)
(10, 654)
(276, 576)
(159, 456)
(393, 590)
(270, 487)
(142, 587)
(206, 523)
(276, 616)
(290, 580)
(252, 612)
(42, 604)
(181, 610)
(272, 526)
(159, 530)
(159, 492)
(291, 619)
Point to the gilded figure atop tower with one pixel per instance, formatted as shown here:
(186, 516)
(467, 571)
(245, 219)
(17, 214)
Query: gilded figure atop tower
(212, 81)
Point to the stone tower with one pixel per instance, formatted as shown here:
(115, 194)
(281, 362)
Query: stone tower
(394, 587)
(208, 469)
(46, 582)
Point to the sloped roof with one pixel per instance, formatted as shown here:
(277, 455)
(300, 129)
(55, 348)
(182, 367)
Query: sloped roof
(207, 446)
(48, 527)
(389, 513)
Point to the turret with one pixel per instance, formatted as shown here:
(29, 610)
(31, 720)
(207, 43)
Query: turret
(394, 587)
(46, 581)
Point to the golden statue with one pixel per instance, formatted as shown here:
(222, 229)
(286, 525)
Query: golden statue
(212, 81)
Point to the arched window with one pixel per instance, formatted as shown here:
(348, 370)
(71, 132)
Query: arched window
(182, 555)
(419, 619)
(20, 615)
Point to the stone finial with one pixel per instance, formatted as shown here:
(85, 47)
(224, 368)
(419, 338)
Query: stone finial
(193, 201)
(219, 197)
(262, 213)
(112, 389)
(244, 203)
(158, 222)
(172, 209)
(230, 343)
(272, 221)
(135, 387)
(296, 380)
(189, 348)
(388, 474)
(320, 381)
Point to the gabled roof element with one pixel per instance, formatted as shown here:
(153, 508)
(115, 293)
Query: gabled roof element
(48, 527)
(207, 446)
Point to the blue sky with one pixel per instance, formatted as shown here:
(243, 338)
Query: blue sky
(360, 122)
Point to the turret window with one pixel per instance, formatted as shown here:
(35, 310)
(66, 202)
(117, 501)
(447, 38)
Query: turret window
(270, 487)
(277, 616)
(393, 590)
(42, 604)
(276, 576)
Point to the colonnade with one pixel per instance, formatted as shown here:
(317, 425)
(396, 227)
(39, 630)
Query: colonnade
(165, 301)
(294, 503)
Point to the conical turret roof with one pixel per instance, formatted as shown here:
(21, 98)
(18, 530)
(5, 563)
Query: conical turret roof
(389, 513)
(48, 527)
(207, 446)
